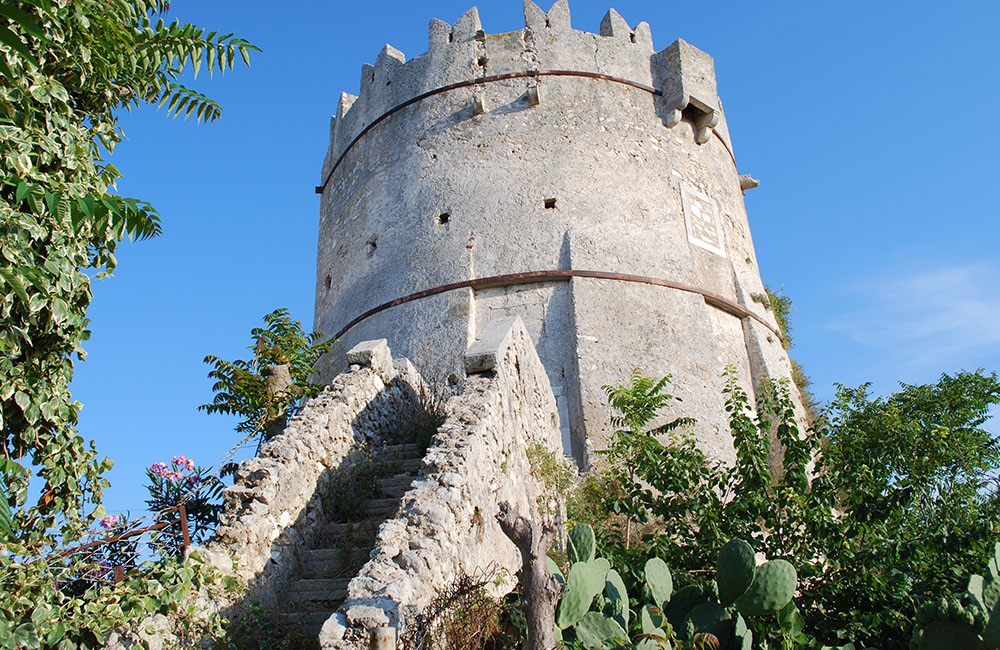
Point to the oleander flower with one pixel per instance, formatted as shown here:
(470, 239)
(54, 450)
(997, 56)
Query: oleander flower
(110, 521)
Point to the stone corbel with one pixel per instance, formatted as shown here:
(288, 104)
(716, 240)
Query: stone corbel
(705, 121)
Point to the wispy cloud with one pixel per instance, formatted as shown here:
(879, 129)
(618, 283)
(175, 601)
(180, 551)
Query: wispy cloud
(948, 314)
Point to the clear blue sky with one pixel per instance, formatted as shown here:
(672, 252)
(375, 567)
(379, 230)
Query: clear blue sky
(870, 126)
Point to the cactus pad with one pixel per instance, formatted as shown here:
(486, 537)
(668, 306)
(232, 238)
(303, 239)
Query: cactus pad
(614, 589)
(946, 635)
(595, 629)
(581, 546)
(653, 625)
(712, 618)
(686, 599)
(586, 580)
(661, 584)
(991, 635)
(736, 570)
(771, 590)
(554, 570)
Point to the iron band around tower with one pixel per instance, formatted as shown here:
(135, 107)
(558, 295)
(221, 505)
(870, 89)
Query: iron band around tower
(530, 277)
(488, 79)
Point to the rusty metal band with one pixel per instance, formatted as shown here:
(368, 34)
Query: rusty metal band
(489, 79)
(529, 277)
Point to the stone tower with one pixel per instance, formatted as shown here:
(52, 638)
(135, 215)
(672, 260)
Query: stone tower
(584, 182)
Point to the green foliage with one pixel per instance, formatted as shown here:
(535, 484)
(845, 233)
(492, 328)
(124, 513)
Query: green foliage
(66, 68)
(970, 619)
(692, 617)
(899, 506)
(781, 306)
(195, 487)
(69, 603)
(253, 390)
(634, 445)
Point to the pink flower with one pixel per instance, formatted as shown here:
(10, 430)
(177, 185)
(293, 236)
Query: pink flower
(186, 463)
(193, 480)
(173, 476)
(159, 469)
(110, 521)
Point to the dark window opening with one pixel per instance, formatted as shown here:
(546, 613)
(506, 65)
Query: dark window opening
(632, 36)
(444, 217)
(691, 114)
(329, 282)
(372, 245)
(482, 61)
(550, 204)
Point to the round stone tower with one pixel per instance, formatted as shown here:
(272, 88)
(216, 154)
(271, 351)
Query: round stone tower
(581, 181)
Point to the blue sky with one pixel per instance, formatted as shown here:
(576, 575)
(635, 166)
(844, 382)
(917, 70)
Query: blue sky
(870, 126)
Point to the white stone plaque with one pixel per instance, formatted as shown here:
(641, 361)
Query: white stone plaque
(701, 215)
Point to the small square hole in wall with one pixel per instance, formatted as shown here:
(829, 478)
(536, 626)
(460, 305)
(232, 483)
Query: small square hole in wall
(329, 282)
(550, 204)
(371, 246)
(444, 218)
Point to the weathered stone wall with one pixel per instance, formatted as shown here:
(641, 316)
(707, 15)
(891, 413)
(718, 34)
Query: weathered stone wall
(275, 506)
(447, 521)
(595, 175)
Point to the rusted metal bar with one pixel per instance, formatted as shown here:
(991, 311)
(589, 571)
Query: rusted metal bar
(489, 79)
(182, 511)
(110, 540)
(557, 275)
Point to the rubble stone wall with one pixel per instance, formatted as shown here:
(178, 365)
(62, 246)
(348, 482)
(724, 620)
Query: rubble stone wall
(447, 524)
(276, 504)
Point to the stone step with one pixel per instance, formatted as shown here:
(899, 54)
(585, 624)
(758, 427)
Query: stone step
(382, 507)
(334, 562)
(355, 533)
(394, 486)
(403, 465)
(304, 624)
(315, 594)
(408, 450)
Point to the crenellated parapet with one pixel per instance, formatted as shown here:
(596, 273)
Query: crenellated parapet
(462, 54)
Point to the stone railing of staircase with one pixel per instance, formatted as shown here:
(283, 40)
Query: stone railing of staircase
(446, 523)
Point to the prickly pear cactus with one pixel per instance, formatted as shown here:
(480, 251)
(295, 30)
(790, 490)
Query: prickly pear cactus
(594, 630)
(659, 581)
(970, 620)
(736, 570)
(582, 546)
(772, 589)
(614, 590)
(656, 632)
(713, 619)
(585, 580)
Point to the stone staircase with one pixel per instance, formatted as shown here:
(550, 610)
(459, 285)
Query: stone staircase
(345, 541)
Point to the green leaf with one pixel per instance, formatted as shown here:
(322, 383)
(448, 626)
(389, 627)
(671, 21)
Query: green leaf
(14, 42)
(5, 515)
(22, 190)
(8, 276)
(26, 22)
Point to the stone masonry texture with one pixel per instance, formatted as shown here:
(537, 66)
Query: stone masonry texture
(539, 173)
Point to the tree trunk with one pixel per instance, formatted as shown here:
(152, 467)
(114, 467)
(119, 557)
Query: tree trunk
(279, 380)
(540, 590)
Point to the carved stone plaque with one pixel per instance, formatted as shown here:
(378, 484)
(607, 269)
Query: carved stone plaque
(701, 215)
